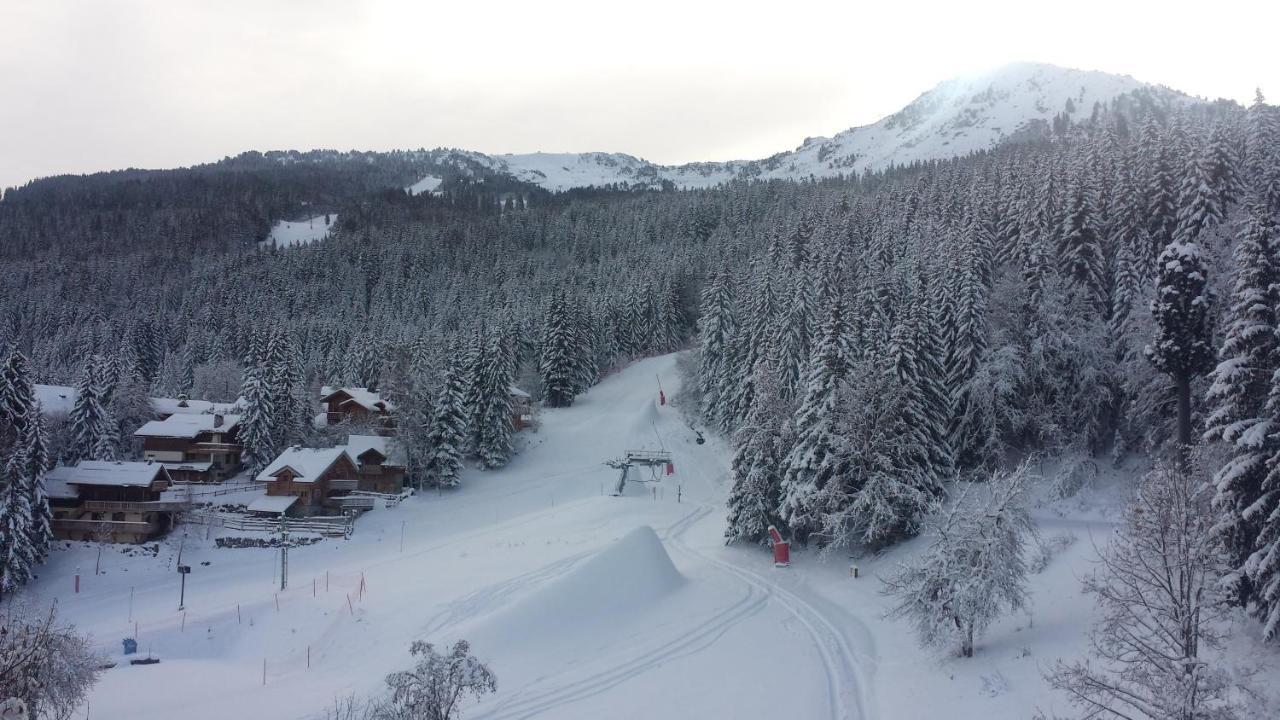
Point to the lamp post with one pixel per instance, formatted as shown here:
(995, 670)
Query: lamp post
(284, 554)
(183, 572)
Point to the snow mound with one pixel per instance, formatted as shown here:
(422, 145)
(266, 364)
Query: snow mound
(622, 580)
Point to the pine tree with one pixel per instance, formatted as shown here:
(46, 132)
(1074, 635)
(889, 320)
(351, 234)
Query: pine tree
(1181, 309)
(814, 459)
(17, 397)
(257, 423)
(288, 400)
(18, 556)
(1238, 394)
(883, 481)
(88, 416)
(35, 449)
(447, 432)
(559, 364)
(793, 341)
(716, 332)
(1080, 252)
(491, 424)
(757, 462)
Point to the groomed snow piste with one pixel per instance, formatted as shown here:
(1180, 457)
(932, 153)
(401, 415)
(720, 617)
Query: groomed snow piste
(585, 605)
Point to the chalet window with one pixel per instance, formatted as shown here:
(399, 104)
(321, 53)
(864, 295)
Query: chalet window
(117, 517)
(96, 516)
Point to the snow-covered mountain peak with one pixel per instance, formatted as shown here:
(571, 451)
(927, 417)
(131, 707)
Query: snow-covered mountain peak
(968, 113)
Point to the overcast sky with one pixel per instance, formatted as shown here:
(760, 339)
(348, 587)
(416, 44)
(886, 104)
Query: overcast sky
(91, 85)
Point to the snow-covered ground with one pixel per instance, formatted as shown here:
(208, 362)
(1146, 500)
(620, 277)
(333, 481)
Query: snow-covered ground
(287, 233)
(585, 605)
(427, 184)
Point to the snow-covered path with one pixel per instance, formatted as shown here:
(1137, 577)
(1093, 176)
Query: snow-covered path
(505, 562)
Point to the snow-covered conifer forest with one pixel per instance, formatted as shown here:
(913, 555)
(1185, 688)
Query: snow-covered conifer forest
(1015, 406)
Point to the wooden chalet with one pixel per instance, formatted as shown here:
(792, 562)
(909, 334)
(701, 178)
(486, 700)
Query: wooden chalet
(316, 478)
(107, 501)
(194, 447)
(309, 481)
(357, 404)
(381, 462)
(521, 408)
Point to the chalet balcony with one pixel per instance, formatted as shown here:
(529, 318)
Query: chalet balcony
(105, 526)
(149, 506)
(344, 484)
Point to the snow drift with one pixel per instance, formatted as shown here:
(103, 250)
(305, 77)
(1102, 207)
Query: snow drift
(622, 580)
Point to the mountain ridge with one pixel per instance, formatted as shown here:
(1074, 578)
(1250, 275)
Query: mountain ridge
(959, 116)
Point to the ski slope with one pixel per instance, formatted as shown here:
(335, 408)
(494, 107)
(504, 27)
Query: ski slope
(585, 605)
(286, 233)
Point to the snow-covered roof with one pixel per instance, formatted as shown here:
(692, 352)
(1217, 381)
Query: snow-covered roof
(58, 489)
(366, 398)
(180, 406)
(517, 392)
(110, 473)
(56, 399)
(307, 464)
(188, 466)
(278, 504)
(391, 449)
(187, 426)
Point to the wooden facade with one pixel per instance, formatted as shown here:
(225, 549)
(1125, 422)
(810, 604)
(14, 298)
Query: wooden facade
(316, 495)
(89, 504)
(210, 454)
(357, 405)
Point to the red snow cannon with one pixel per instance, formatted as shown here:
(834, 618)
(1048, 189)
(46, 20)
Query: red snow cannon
(781, 548)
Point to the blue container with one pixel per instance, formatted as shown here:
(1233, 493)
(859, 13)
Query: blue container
(130, 646)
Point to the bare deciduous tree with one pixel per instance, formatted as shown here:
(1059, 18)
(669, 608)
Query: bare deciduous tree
(435, 686)
(1155, 588)
(45, 665)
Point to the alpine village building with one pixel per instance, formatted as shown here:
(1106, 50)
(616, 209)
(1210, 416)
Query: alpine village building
(311, 481)
(199, 448)
(111, 501)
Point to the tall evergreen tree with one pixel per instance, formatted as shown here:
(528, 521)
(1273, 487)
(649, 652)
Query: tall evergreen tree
(258, 431)
(716, 331)
(757, 462)
(561, 354)
(1182, 346)
(446, 434)
(18, 556)
(1238, 395)
(814, 459)
(491, 415)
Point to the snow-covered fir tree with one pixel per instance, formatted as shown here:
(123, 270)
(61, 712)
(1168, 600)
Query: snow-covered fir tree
(814, 459)
(716, 330)
(1237, 398)
(759, 447)
(561, 354)
(491, 425)
(90, 423)
(447, 430)
(18, 554)
(1182, 347)
(258, 432)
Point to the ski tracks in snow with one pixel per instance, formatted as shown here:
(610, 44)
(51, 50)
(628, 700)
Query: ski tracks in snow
(533, 702)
